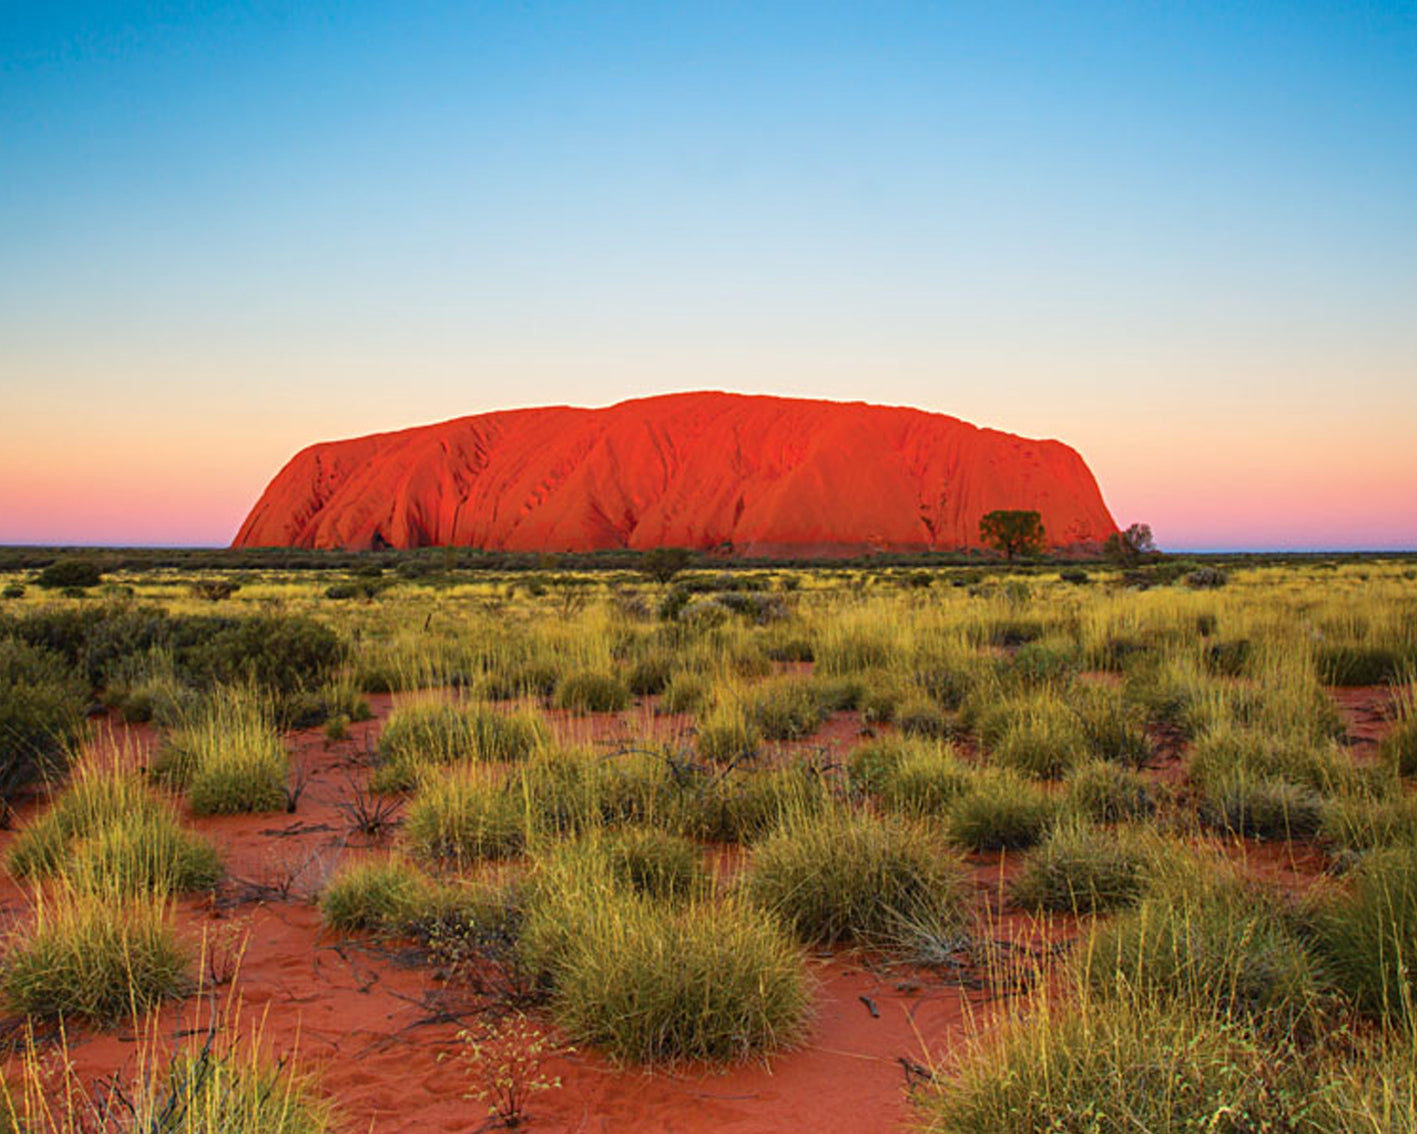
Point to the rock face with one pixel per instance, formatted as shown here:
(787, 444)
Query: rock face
(750, 475)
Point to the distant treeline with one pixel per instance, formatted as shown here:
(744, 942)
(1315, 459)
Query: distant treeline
(439, 560)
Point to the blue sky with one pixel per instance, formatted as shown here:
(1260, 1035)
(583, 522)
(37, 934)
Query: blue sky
(1181, 237)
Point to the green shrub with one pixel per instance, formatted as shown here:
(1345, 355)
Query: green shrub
(652, 982)
(654, 862)
(1114, 730)
(228, 758)
(1000, 811)
(650, 674)
(70, 573)
(687, 692)
(920, 717)
(279, 653)
(93, 958)
(380, 894)
(1079, 869)
(1368, 938)
(1399, 747)
(871, 765)
(590, 692)
(1044, 748)
(1361, 664)
(925, 780)
(837, 876)
(42, 705)
(1361, 823)
(1264, 809)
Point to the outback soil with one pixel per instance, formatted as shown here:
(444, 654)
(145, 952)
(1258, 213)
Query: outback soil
(368, 1019)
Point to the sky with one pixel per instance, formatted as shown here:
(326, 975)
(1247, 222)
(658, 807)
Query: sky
(1180, 237)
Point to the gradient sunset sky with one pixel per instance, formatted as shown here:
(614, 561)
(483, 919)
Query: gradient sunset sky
(1180, 237)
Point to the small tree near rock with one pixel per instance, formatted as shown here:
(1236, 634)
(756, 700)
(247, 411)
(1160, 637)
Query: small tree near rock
(662, 563)
(1130, 546)
(1013, 532)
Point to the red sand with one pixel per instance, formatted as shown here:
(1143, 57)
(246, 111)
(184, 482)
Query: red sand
(711, 471)
(357, 1014)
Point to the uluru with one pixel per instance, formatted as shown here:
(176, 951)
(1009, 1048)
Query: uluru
(746, 475)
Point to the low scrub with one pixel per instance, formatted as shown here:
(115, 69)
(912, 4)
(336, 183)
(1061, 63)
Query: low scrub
(1108, 793)
(382, 894)
(229, 758)
(42, 703)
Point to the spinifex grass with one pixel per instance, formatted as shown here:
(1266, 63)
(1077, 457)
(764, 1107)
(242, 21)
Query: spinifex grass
(426, 735)
(94, 956)
(228, 757)
(839, 875)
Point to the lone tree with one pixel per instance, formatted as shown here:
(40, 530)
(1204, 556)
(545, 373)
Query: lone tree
(1131, 545)
(1013, 532)
(662, 563)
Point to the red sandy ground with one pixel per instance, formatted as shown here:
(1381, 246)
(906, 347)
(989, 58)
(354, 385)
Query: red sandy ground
(357, 1014)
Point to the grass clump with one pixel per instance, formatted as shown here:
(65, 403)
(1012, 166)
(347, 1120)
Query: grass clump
(1368, 937)
(654, 862)
(1208, 939)
(228, 758)
(1080, 869)
(381, 894)
(842, 876)
(728, 734)
(652, 982)
(465, 816)
(1000, 811)
(910, 776)
(107, 833)
(786, 709)
(42, 704)
(434, 734)
(1110, 1068)
(687, 692)
(1108, 793)
(592, 692)
(92, 958)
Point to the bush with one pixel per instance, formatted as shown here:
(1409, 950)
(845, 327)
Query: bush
(1000, 811)
(1206, 578)
(654, 863)
(687, 693)
(1046, 748)
(279, 653)
(42, 707)
(13, 591)
(1078, 869)
(1368, 938)
(837, 876)
(465, 816)
(1264, 809)
(1360, 664)
(592, 693)
(728, 735)
(387, 894)
(92, 958)
(650, 982)
(919, 717)
(70, 573)
(1399, 747)
(744, 804)
(650, 674)
(925, 779)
